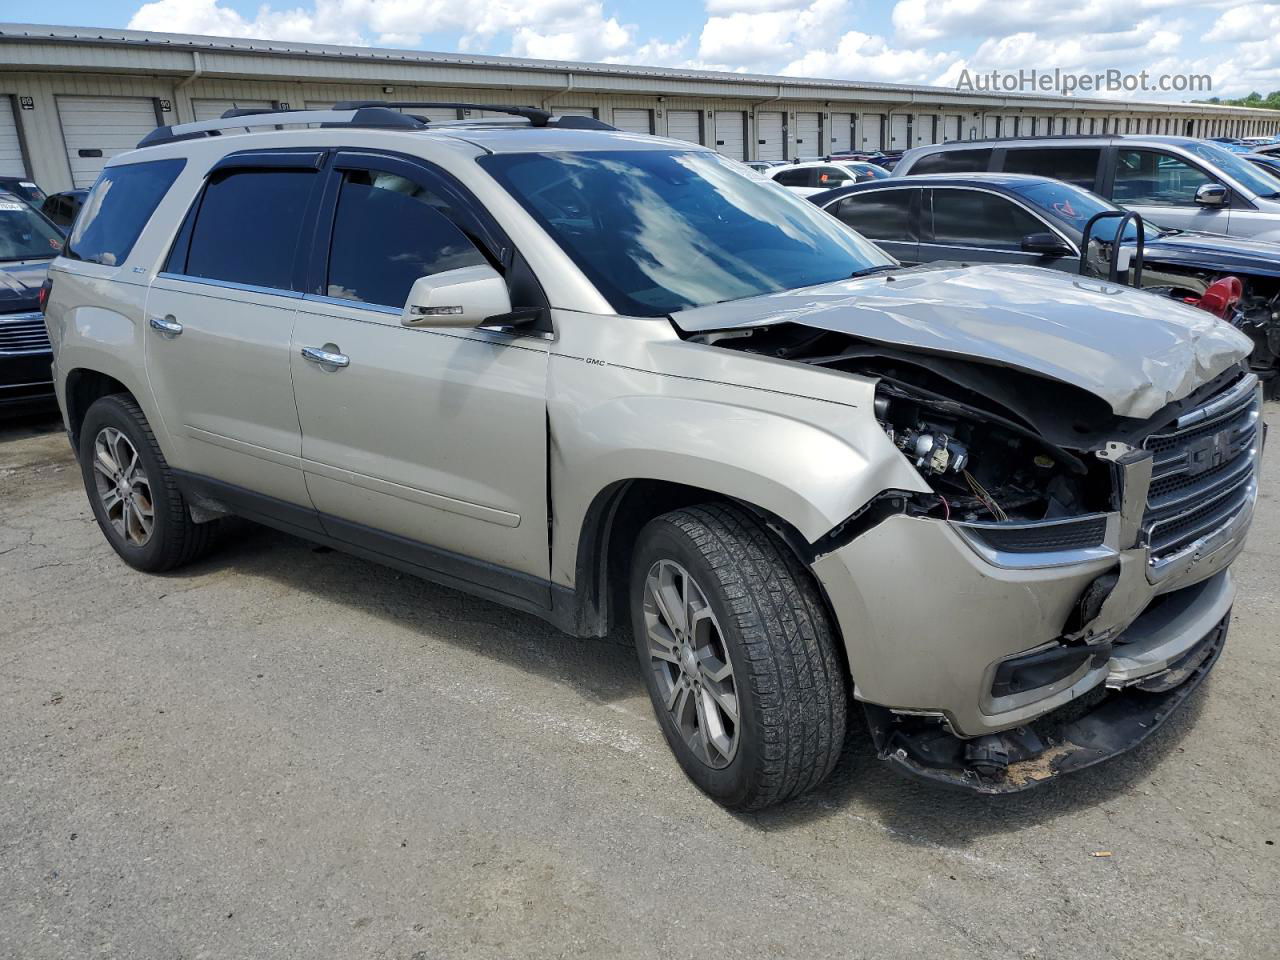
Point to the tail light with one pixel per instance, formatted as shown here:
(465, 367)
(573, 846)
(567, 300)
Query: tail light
(1221, 297)
(42, 298)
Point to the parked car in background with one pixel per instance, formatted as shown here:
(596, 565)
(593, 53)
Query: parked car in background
(601, 380)
(1176, 182)
(1024, 220)
(808, 176)
(1267, 162)
(24, 189)
(28, 243)
(62, 208)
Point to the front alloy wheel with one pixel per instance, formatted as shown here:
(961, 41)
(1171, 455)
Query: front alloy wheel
(690, 663)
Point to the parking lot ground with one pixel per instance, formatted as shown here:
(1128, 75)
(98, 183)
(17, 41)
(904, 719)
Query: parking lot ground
(287, 752)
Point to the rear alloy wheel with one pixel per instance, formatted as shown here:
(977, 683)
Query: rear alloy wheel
(133, 493)
(738, 655)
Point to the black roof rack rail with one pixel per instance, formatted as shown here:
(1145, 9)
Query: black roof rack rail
(535, 116)
(371, 117)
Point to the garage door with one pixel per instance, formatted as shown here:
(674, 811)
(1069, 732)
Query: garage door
(841, 137)
(633, 121)
(213, 109)
(685, 125)
(573, 111)
(872, 131)
(809, 136)
(951, 127)
(770, 139)
(95, 129)
(731, 128)
(926, 124)
(11, 164)
(899, 131)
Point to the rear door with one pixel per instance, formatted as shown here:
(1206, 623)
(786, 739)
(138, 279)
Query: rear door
(980, 226)
(887, 216)
(434, 436)
(220, 323)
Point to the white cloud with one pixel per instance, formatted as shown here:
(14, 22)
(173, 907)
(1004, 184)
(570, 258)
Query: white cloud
(762, 40)
(867, 57)
(328, 22)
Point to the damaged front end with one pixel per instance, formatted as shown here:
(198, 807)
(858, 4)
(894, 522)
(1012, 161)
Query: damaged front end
(1063, 588)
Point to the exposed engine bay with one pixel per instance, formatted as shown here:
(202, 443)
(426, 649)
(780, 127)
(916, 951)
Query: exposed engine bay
(997, 445)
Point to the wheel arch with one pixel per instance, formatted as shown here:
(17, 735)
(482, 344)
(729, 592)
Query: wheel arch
(83, 386)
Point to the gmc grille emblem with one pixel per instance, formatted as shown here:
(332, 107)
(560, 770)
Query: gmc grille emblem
(1213, 451)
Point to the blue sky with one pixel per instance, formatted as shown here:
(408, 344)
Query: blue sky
(910, 41)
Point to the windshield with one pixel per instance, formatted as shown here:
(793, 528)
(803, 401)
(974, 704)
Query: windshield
(1236, 167)
(25, 234)
(659, 231)
(1074, 206)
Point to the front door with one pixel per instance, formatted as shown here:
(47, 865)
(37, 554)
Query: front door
(436, 437)
(1162, 188)
(979, 226)
(220, 323)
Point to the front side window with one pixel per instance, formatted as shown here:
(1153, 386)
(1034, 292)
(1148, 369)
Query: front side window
(24, 234)
(118, 207)
(1078, 165)
(879, 214)
(833, 177)
(973, 218)
(246, 230)
(1153, 177)
(1076, 207)
(658, 231)
(387, 233)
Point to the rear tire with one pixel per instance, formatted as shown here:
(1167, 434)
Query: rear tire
(746, 681)
(132, 491)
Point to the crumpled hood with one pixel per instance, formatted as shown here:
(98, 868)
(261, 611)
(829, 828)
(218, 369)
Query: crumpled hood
(1136, 351)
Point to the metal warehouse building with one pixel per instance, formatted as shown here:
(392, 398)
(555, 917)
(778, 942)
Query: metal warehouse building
(70, 98)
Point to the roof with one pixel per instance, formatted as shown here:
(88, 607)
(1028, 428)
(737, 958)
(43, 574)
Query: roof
(802, 86)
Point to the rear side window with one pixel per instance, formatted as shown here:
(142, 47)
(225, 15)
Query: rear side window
(953, 161)
(879, 214)
(801, 177)
(971, 218)
(1074, 165)
(118, 207)
(246, 230)
(388, 232)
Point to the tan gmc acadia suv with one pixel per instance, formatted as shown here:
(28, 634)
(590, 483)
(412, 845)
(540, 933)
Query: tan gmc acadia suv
(603, 377)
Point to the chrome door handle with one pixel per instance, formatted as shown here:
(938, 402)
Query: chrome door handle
(166, 325)
(325, 357)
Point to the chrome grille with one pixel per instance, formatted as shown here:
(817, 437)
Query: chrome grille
(1203, 471)
(23, 333)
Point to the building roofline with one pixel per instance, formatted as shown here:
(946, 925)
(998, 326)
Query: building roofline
(94, 36)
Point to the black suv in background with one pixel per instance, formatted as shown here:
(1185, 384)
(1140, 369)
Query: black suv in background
(28, 242)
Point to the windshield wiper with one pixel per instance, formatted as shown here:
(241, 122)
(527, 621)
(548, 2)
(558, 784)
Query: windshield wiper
(878, 268)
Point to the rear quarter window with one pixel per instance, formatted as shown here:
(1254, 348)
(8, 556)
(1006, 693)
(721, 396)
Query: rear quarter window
(118, 208)
(953, 161)
(1078, 165)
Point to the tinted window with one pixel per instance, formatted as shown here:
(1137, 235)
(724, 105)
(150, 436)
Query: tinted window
(246, 230)
(1147, 176)
(795, 178)
(25, 234)
(1076, 166)
(972, 218)
(879, 214)
(118, 207)
(388, 232)
(833, 177)
(953, 161)
(657, 231)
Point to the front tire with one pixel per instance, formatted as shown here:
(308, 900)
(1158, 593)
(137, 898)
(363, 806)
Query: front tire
(132, 491)
(738, 655)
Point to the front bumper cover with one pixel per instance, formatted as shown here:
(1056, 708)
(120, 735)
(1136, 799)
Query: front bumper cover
(1087, 731)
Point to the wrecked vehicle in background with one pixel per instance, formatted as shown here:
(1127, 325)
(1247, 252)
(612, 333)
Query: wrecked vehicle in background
(995, 506)
(1020, 219)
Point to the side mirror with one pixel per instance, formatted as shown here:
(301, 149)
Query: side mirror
(465, 297)
(1211, 195)
(1045, 244)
